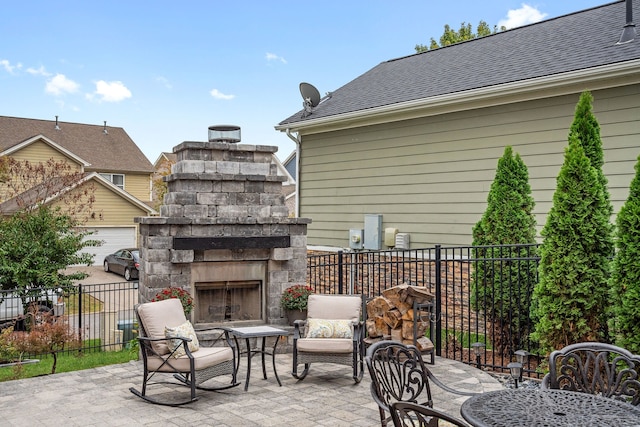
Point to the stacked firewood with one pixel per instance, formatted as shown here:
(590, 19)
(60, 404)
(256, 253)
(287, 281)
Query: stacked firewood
(391, 316)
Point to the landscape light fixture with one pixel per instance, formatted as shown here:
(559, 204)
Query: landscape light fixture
(477, 350)
(515, 369)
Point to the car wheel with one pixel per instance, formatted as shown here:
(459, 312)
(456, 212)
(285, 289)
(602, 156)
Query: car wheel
(106, 266)
(127, 274)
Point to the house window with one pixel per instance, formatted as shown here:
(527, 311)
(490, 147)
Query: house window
(115, 178)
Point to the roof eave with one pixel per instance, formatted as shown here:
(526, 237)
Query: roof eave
(594, 78)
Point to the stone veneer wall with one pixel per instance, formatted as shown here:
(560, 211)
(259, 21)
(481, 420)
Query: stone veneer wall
(221, 192)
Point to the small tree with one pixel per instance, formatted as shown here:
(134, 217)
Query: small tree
(503, 288)
(571, 296)
(36, 246)
(625, 282)
(451, 36)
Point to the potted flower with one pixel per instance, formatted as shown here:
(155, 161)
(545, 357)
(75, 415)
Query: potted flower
(294, 302)
(179, 293)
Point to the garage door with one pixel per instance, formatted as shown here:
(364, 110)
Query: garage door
(114, 238)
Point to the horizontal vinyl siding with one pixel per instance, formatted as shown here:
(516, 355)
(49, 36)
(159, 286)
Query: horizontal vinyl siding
(39, 152)
(139, 186)
(430, 177)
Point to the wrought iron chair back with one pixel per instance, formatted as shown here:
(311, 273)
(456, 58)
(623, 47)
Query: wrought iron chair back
(595, 368)
(399, 374)
(406, 414)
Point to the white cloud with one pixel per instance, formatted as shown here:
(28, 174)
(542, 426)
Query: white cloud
(8, 67)
(60, 84)
(110, 91)
(219, 95)
(274, 57)
(38, 71)
(164, 82)
(523, 16)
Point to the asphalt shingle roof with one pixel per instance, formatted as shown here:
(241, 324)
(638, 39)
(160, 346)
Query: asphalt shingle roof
(114, 151)
(577, 41)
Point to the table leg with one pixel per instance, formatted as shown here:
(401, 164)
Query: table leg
(273, 360)
(264, 366)
(246, 384)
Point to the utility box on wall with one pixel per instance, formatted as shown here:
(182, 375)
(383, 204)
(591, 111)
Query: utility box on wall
(356, 238)
(373, 231)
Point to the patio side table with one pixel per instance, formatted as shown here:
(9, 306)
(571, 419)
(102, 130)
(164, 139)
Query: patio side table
(262, 332)
(558, 408)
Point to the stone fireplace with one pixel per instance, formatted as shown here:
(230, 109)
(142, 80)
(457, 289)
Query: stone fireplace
(224, 233)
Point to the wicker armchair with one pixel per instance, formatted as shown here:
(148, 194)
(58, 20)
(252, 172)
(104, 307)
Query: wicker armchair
(333, 333)
(399, 374)
(168, 346)
(595, 368)
(406, 414)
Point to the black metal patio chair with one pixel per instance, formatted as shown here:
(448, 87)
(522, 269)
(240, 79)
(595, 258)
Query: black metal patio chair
(407, 414)
(399, 374)
(169, 346)
(595, 368)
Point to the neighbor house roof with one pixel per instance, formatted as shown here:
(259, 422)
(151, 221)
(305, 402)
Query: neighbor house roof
(113, 151)
(566, 45)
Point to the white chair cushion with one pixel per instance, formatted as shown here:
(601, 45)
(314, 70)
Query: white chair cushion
(334, 307)
(155, 316)
(325, 345)
(203, 358)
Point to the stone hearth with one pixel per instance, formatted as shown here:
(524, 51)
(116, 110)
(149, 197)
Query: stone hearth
(224, 235)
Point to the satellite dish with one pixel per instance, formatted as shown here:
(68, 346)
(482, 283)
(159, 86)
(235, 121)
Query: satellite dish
(310, 97)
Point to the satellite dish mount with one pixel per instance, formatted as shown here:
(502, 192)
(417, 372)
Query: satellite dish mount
(310, 98)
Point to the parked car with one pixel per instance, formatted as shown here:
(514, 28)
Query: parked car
(38, 301)
(125, 262)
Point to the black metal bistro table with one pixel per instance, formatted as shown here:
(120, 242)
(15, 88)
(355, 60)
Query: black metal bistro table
(263, 332)
(557, 408)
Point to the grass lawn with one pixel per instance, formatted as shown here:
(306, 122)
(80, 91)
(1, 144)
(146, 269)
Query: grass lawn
(74, 361)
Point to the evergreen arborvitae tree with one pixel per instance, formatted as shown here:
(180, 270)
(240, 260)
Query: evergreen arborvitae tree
(625, 283)
(502, 288)
(586, 126)
(570, 300)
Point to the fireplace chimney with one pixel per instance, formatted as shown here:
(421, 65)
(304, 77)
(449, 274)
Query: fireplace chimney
(629, 30)
(224, 133)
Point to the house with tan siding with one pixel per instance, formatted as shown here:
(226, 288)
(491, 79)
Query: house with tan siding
(109, 161)
(417, 139)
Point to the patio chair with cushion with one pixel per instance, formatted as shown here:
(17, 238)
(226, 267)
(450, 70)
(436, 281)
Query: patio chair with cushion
(595, 368)
(399, 374)
(169, 345)
(332, 333)
(406, 414)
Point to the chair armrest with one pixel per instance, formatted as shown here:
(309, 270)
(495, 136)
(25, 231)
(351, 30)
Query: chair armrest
(544, 385)
(297, 326)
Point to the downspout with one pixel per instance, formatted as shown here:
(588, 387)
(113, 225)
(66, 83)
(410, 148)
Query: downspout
(296, 139)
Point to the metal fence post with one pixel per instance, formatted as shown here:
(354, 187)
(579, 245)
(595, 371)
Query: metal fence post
(340, 278)
(438, 313)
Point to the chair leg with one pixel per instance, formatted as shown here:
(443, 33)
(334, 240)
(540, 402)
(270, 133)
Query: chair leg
(302, 375)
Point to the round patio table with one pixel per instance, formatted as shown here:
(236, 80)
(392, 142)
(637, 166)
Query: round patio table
(553, 408)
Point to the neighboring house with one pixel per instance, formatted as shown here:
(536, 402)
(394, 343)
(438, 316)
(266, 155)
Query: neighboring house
(109, 160)
(417, 139)
(291, 196)
(162, 167)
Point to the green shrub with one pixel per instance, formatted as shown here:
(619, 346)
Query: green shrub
(500, 287)
(625, 280)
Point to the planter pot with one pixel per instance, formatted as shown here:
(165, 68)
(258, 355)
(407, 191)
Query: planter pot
(293, 315)
(21, 362)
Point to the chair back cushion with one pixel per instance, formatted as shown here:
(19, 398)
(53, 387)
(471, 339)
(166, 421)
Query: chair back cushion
(344, 307)
(155, 316)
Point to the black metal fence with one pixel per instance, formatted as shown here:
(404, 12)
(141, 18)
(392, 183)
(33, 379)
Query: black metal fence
(100, 315)
(464, 314)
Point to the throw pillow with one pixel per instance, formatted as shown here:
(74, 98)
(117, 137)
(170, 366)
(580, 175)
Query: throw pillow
(186, 331)
(326, 328)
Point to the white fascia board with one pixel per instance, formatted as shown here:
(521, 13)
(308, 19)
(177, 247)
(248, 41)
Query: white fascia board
(606, 76)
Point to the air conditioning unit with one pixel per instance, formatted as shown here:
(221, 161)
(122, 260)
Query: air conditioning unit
(402, 241)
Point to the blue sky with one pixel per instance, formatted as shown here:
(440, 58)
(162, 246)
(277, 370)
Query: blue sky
(166, 70)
